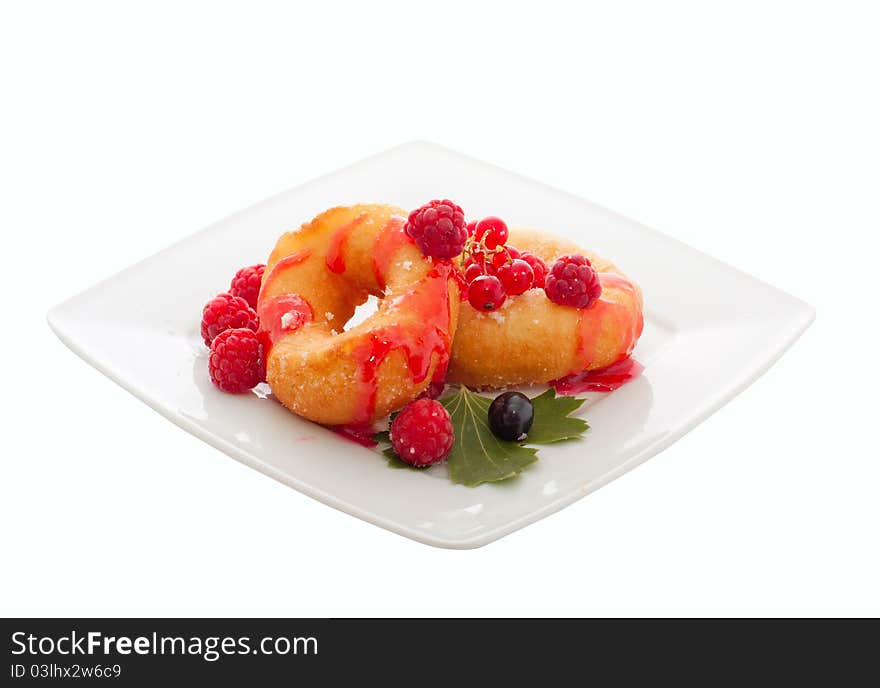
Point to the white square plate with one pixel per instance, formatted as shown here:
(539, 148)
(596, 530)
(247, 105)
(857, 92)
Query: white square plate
(709, 332)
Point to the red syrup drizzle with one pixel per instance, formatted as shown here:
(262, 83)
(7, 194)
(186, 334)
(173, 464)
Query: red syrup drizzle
(420, 340)
(615, 281)
(284, 314)
(590, 327)
(601, 380)
(359, 434)
(592, 319)
(387, 244)
(335, 260)
(271, 312)
(280, 267)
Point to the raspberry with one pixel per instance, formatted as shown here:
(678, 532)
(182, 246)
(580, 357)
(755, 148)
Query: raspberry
(573, 282)
(492, 231)
(225, 312)
(539, 268)
(438, 228)
(422, 434)
(246, 283)
(236, 361)
(486, 293)
(517, 276)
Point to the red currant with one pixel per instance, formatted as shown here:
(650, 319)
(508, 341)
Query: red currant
(481, 259)
(492, 231)
(486, 293)
(475, 258)
(470, 227)
(471, 272)
(517, 276)
(539, 267)
(504, 256)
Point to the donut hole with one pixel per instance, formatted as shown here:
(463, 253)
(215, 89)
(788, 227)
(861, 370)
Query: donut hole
(362, 312)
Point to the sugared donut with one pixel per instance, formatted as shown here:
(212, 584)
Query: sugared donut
(531, 340)
(315, 278)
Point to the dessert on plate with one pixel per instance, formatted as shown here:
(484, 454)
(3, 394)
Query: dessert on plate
(543, 335)
(315, 278)
(477, 304)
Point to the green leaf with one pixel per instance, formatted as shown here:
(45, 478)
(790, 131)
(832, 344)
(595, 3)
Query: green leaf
(383, 437)
(477, 455)
(552, 423)
(394, 460)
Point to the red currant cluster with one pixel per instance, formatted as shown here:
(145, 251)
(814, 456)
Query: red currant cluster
(492, 270)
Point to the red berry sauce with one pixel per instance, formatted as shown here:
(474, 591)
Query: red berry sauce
(335, 260)
(589, 327)
(613, 376)
(280, 268)
(387, 244)
(284, 314)
(359, 434)
(424, 340)
(601, 380)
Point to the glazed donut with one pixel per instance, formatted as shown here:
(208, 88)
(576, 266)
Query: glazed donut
(315, 278)
(531, 340)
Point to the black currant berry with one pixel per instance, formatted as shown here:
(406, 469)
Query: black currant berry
(511, 415)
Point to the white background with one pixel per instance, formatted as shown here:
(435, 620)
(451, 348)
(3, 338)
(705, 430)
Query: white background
(747, 129)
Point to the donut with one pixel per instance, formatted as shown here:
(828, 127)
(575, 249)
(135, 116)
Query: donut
(531, 340)
(314, 279)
